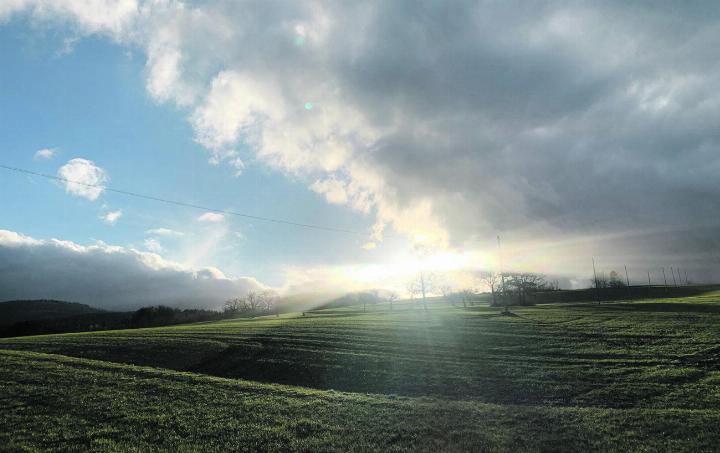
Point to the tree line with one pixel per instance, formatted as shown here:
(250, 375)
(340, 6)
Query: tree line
(511, 288)
(250, 305)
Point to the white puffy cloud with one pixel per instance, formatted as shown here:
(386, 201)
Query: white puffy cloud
(164, 232)
(45, 154)
(211, 217)
(82, 178)
(111, 217)
(14, 239)
(107, 276)
(90, 16)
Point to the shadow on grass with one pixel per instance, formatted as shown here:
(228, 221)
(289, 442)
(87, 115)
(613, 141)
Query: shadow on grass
(326, 313)
(667, 307)
(477, 308)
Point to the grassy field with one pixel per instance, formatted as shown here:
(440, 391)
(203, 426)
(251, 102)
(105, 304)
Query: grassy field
(639, 376)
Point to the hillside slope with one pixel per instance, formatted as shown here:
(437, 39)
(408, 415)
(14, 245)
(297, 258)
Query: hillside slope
(577, 377)
(651, 354)
(102, 406)
(35, 310)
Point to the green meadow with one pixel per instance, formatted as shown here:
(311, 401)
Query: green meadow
(631, 376)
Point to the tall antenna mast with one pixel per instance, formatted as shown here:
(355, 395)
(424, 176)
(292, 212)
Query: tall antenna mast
(502, 274)
(627, 278)
(597, 290)
(673, 274)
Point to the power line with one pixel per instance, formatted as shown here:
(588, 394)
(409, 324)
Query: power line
(187, 205)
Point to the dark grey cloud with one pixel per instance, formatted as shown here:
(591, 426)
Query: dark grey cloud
(109, 277)
(586, 112)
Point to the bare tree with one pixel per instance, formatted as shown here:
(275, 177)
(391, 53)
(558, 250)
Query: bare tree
(425, 282)
(268, 300)
(413, 290)
(524, 284)
(392, 297)
(601, 280)
(253, 301)
(368, 297)
(234, 306)
(252, 304)
(490, 280)
(423, 285)
(466, 295)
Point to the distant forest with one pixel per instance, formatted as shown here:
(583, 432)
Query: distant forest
(38, 317)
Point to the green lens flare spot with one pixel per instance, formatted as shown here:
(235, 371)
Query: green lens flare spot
(308, 106)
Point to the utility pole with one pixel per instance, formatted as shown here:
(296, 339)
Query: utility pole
(649, 284)
(502, 276)
(627, 278)
(664, 278)
(687, 282)
(597, 290)
(673, 274)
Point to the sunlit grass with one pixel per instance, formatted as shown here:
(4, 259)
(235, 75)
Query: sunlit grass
(641, 373)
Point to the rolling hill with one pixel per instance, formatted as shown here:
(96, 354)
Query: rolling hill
(36, 310)
(639, 376)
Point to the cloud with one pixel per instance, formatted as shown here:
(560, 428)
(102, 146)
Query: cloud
(164, 232)
(112, 217)
(68, 46)
(111, 17)
(153, 245)
(211, 217)
(45, 154)
(107, 276)
(237, 164)
(82, 178)
(560, 118)
(333, 190)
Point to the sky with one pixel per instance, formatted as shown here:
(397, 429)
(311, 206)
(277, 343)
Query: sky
(573, 130)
